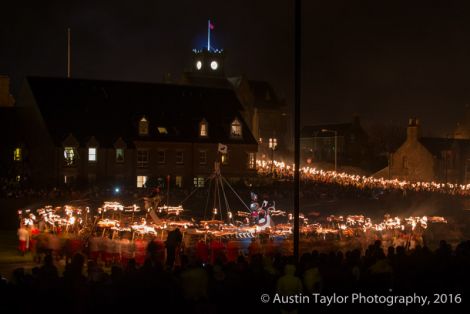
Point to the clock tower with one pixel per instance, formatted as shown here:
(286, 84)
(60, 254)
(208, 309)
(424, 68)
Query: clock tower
(208, 62)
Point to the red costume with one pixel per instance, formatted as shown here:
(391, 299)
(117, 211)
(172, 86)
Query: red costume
(233, 248)
(217, 248)
(202, 252)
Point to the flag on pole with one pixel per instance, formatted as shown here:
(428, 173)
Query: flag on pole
(223, 148)
(211, 26)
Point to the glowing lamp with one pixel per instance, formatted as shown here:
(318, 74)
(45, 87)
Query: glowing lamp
(198, 65)
(214, 65)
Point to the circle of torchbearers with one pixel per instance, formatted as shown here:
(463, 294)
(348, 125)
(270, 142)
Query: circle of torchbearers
(114, 219)
(283, 170)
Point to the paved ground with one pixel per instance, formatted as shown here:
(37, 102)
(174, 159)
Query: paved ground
(10, 259)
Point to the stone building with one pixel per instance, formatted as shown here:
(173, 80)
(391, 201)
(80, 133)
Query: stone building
(429, 158)
(90, 131)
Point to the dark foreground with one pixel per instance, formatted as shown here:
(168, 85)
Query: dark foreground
(442, 276)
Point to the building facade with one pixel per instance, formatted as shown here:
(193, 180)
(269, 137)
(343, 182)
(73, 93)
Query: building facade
(429, 158)
(318, 143)
(95, 132)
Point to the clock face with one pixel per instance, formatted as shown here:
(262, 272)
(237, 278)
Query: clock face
(214, 65)
(198, 64)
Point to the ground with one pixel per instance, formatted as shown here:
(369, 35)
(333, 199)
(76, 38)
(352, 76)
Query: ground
(10, 259)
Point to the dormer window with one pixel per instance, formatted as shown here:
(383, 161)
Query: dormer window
(17, 154)
(143, 126)
(92, 154)
(162, 130)
(70, 156)
(236, 129)
(119, 155)
(203, 129)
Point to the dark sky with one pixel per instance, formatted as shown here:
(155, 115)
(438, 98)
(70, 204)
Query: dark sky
(384, 60)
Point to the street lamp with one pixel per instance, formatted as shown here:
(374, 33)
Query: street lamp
(272, 147)
(336, 146)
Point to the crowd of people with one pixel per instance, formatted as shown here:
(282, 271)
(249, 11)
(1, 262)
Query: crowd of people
(212, 280)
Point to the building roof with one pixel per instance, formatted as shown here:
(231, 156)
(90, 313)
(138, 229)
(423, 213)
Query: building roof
(108, 110)
(8, 126)
(264, 95)
(198, 79)
(435, 145)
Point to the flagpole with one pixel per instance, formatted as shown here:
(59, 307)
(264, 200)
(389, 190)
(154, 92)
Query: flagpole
(68, 52)
(208, 35)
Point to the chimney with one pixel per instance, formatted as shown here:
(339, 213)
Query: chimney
(6, 99)
(413, 132)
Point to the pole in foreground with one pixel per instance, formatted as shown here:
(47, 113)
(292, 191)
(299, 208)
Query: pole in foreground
(297, 97)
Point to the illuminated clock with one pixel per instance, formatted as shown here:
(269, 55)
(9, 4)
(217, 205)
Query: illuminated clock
(214, 65)
(198, 65)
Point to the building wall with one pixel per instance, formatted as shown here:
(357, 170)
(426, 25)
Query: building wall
(413, 162)
(106, 169)
(39, 147)
(6, 99)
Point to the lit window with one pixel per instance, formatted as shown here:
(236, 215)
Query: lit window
(18, 178)
(143, 126)
(203, 129)
(141, 180)
(70, 156)
(162, 130)
(202, 157)
(224, 159)
(161, 157)
(92, 154)
(17, 154)
(119, 155)
(198, 182)
(251, 160)
(142, 158)
(236, 129)
(179, 181)
(179, 157)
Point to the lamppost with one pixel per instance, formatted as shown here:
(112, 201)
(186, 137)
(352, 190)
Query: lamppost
(336, 146)
(272, 147)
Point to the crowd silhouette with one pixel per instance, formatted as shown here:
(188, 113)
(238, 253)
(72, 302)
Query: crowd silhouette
(225, 285)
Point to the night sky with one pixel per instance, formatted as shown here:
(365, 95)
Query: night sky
(383, 60)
